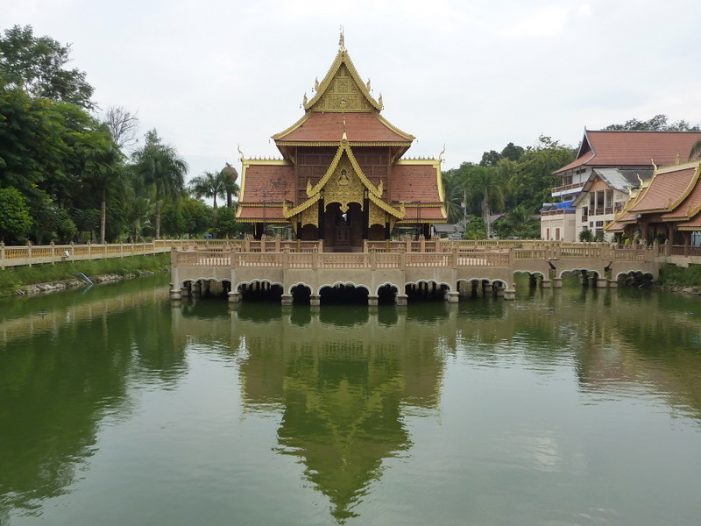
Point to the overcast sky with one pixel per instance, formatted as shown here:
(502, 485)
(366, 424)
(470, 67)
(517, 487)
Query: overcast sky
(472, 75)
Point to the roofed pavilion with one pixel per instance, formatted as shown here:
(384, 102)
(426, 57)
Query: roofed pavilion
(342, 178)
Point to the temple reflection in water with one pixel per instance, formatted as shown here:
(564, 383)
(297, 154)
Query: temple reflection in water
(344, 384)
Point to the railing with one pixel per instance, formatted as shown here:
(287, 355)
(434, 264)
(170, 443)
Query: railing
(564, 187)
(14, 256)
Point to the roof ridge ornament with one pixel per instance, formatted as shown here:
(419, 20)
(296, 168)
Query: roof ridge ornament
(380, 103)
(341, 40)
(441, 155)
(238, 147)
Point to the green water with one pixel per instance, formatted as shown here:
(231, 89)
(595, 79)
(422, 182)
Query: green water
(564, 407)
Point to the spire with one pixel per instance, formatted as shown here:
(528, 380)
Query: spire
(341, 41)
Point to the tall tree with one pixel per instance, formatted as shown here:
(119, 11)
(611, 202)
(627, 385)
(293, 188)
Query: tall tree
(38, 65)
(232, 189)
(210, 185)
(657, 123)
(123, 126)
(162, 168)
(482, 184)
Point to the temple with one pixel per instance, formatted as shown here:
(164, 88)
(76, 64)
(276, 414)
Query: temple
(342, 178)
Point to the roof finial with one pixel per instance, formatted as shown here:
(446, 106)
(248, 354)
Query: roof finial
(379, 101)
(238, 147)
(440, 155)
(368, 85)
(341, 41)
(304, 100)
(316, 83)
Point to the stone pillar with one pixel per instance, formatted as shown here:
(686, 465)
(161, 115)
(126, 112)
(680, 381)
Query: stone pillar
(557, 283)
(175, 292)
(286, 300)
(314, 301)
(452, 297)
(613, 284)
(373, 301)
(601, 283)
(234, 297)
(510, 294)
(401, 300)
(547, 284)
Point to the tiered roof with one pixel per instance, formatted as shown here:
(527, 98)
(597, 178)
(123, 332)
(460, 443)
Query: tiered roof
(673, 194)
(632, 148)
(343, 114)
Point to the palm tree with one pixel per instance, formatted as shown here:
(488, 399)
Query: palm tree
(162, 168)
(210, 185)
(230, 175)
(481, 185)
(695, 151)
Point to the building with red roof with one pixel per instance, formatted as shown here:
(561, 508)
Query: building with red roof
(342, 177)
(608, 166)
(666, 207)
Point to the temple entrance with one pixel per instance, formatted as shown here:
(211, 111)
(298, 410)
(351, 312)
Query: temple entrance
(343, 232)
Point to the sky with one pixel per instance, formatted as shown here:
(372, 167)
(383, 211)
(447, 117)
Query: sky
(472, 76)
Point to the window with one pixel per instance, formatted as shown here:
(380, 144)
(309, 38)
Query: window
(547, 234)
(557, 234)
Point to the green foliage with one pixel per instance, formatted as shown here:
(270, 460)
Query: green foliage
(599, 236)
(161, 168)
(585, 236)
(685, 277)
(475, 229)
(37, 65)
(518, 223)
(656, 123)
(15, 221)
(225, 224)
(11, 279)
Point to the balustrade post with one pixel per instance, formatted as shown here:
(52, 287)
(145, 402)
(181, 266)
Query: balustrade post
(2, 255)
(52, 245)
(373, 260)
(89, 249)
(365, 245)
(402, 261)
(72, 249)
(315, 261)
(29, 252)
(286, 258)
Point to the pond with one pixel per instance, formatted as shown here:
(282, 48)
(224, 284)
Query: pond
(571, 406)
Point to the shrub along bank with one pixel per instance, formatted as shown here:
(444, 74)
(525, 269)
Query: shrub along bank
(681, 279)
(13, 279)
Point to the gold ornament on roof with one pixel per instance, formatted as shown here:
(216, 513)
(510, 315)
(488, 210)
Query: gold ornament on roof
(341, 41)
(379, 101)
(304, 100)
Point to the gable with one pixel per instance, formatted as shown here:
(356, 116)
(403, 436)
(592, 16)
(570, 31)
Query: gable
(342, 94)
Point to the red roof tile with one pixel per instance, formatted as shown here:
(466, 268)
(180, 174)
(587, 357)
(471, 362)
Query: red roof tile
(413, 182)
(692, 224)
(268, 213)
(270, 183)
(665, 189)
(691, 204)
(329, 127)
(633, 148)
(423, 214)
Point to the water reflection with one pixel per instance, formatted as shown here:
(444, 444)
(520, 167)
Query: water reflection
(343, 381)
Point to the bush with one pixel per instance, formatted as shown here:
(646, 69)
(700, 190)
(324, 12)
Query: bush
(585, 236)
(15, 221)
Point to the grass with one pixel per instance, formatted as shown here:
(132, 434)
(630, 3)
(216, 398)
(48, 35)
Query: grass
(685, 277)
(12, 278)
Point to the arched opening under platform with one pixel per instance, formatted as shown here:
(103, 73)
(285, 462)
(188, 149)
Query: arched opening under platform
(426, 291)
(260, 291)
(343, 293)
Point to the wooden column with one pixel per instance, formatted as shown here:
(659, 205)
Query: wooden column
(366, 214)
(321, 217)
